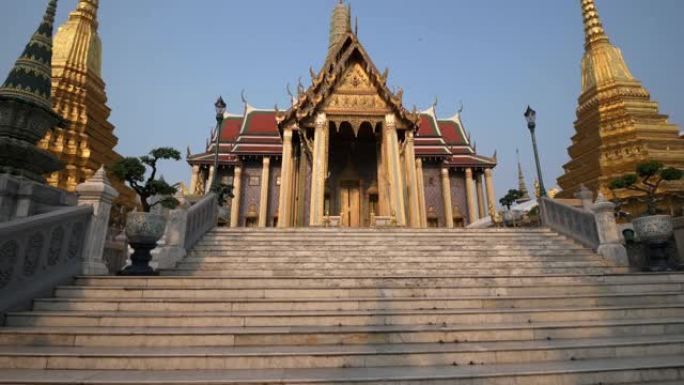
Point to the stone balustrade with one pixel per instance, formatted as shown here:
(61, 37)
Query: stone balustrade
(201, 217)
(39, 252)
(593, 226)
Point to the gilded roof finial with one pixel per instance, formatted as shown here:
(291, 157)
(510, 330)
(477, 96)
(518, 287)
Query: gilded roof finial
(30, 78)
(593, 27)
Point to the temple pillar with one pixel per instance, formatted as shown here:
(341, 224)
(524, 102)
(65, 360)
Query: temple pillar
(263, 197)
(470, 196)
(491, 197)
(235, 203)
(391, 143)
(210, 180)
(284, 201)
(480, 196)
(319, 170)
(422, 211)
(383, 188)
(412, 182)
(194, 179)
(446, 197)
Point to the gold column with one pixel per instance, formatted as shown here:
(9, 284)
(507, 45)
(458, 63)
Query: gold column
(446, 198)
(491, 197)
(263, 197)
(412, 182)
(391, 142)
(319, 170)
(470, 195)
(235, 204)
(421, 193)
(194, 179)
(284, 209)
(480, 196)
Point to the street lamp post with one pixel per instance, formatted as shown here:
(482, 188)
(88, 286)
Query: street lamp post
(220, 111)
(531, 116)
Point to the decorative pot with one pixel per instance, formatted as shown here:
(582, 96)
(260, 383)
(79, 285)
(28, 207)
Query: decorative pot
(143, 230)
(654, 228)
(655, 231)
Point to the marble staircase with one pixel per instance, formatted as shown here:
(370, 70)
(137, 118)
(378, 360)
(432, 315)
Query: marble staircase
(347, 306)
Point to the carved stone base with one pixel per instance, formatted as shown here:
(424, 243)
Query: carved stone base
(140, 261)
(658, 258)
(94, 268)
(614, 252)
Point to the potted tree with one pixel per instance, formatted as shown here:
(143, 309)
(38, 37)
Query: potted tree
(652, 228)
(507, 201)
(143, 228)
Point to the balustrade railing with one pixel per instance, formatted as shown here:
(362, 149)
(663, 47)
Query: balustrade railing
(202, 217)
(572, 222)
(39, 252)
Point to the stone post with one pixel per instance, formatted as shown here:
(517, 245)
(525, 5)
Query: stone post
(98, 193)
(610, 246)
(446, 198)
(172, 246)
(235, 203)
(210, 180)
(319, 171)
(263, 196)
(470, 195)
(586, 196)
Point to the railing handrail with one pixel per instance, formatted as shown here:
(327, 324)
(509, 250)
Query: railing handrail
(28, 223)
(201, 218)
(579, 225)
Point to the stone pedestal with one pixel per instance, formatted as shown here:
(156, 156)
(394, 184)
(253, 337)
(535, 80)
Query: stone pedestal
(98, 193)
(171, 248)
(609, 246)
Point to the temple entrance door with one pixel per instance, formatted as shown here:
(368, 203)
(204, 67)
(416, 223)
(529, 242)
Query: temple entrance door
(350, 203)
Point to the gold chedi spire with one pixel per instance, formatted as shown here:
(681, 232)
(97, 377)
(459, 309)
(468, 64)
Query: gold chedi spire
(78, 94)
(593, 27)
(618, 125)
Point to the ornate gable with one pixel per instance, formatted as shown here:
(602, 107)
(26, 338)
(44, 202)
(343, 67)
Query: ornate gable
(348, 84)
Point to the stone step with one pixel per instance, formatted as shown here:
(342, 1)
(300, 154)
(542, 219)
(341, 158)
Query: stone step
(297, 303)
(393, 232)
(334, 335)
(205, 270)
(340, 356)
(417, 281)
(457, 258)
(641, 370)
(339, 318)
(231, 290)
(298, 246)
(226, 264)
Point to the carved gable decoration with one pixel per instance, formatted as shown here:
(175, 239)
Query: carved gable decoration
(355, 94)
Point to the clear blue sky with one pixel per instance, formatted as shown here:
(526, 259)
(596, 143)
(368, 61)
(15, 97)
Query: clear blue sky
(165, 62)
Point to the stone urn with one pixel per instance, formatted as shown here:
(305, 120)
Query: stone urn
(655, 231)
(143, 230)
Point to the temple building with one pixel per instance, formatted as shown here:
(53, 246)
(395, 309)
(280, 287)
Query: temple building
(618, 125)
(86, 141)
(347, 153)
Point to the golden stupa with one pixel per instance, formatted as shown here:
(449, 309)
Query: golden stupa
(87, 140)
(618, 125)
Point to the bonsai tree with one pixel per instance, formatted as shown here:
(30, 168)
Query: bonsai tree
(510, 198)
(648, 178)
(133, 170)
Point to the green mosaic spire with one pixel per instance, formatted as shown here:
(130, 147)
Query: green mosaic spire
(30, 78)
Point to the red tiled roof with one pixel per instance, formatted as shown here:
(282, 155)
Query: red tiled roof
(427, 126)
(451, 132)
(261, 122)
(231, 128)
